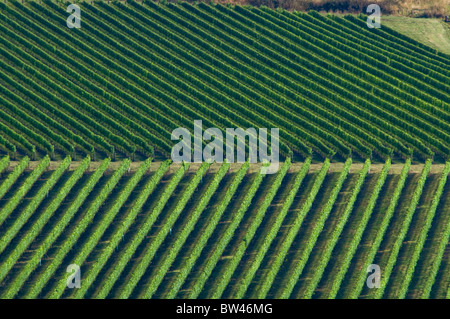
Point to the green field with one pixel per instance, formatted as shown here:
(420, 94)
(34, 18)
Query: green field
(221, 231)
(120, 84)
(432, 32)
(87, 178)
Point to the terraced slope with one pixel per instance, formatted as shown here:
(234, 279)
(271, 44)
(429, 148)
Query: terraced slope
(132, 73)
(162, 230)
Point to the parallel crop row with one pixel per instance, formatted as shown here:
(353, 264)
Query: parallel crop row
(403, 231)
(33, 205)
(79, 229)
(329, 90)
(206, 234)
(156, 279)
(138, 237)
(232, 264)
(150, 251)
(423, 234)
(24, 188)
(4, 163)
(103, 224)
(34, 231)
(356, 291)
(246, 278)
(120, 232)
(14, 175)
(348, 255)
(319, 272)
(295, 274)
(287, 242)
(35, 259)
(226, 237)
(128, 248)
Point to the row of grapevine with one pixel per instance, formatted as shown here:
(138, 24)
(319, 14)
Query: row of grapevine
(63, 105)
(376, 59)
(192, 268)
(7, 145)
(61, 115)
(24, 188)
(4, 163)
(307, 101)
(405, 41)
(36, 228)
(41, 141)
(232, 264)
(348, 255)
(293, 230)
(225, 238)
(423, 234)
(298, 270)
(14, 175)
(25, 214)
(356, 291)
(206, 234)
(101, 227)
(164, 266)
(287, 106)
(322, 47)
(252, 67)
(295, 57)
(127, 254)
(98, 140)
(173, 84)
(349, 54)
(38, 125)
(342, 27)
(52, 83)
(92, 111)
(190, 89)
(120, 232)
(35, 259)
(312, 284)
(90, 75)
(173, 88)
(414, 103)
(282, 106)
(18, 137)
(150, 88)
(131, 117)
(328, 84)
(180, 62)
(244, 282)
(403, 231)
(79, 229)
(152, 248)
(439, 259)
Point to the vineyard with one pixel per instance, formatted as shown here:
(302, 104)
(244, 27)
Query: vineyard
(161, 230)
(86, 176)
(120, 84)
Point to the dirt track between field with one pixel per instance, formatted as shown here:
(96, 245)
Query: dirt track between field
(334, 167)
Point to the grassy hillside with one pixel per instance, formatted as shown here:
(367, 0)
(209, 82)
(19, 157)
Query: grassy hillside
(431, 32)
